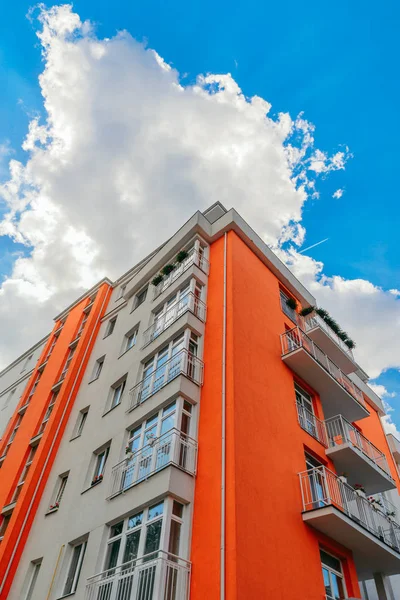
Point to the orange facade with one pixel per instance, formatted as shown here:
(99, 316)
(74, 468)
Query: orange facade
(269, 551)
(22, 512)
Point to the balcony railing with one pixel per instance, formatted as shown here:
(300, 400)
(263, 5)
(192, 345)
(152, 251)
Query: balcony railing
(189, 302)
(156, 576)
(310, 423)
(320, 488)
(296, 338)
(314, 320)
(172, 448)
(183, 363)
(340, 431)
(193, 257)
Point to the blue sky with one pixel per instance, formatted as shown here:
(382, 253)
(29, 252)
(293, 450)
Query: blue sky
(335, 62)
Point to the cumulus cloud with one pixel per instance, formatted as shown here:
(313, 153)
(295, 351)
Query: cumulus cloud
(124, 147)
(338, 194)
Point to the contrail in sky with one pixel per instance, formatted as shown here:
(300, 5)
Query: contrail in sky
(313, 246)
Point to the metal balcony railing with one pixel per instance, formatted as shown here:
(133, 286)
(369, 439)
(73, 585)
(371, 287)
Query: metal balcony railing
(310, 423)
(172, 448)
(155, 576)
(340, 431)
(320, 488)
(189, 302)
(193, 257)
(314, 320)
(296, 338)
(182, 363)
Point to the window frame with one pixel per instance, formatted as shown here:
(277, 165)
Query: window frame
(110, 326)
(80, 423)
(33, 576)
(331, 570)
(61, 484)
(112, 396)
(98, 465)
(98, 367)
(77, 568)
(138, 301)
(24, 474)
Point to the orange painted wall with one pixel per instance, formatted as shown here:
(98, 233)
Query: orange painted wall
(270, 552)
(28, 500)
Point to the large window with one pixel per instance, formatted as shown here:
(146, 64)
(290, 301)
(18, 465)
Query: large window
(333, 577)
(74, 569)
(305, 410)
(144, 533)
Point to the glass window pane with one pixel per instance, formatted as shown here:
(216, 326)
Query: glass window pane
(174, 538)
(328, 589)
(116, 529)
(135, 520)
(330, 561)
(169, 408)
(73, 573)
(131, 546)
(153, 535)
(155, 511)
(112, 554)
(167, 424)
(177, 509)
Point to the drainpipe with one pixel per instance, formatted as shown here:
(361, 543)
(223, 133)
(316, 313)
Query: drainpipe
(106, 297)
(223, 433)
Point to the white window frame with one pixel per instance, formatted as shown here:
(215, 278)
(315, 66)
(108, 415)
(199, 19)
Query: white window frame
(137, 301)
(130, 339)
(48, 412)
(26, 363)
(77, 570)
(98, 367)
(67, 363)
(13, 434)
(121, 291)
(331, 570)
(24, 474)
(80, 423)
(7, 401)
(98, 465)
(34, 569)
(34, 386)
(61, 484)
(116, 394)
(110, 326)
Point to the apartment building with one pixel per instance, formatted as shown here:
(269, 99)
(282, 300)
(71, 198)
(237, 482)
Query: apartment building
(186, 433)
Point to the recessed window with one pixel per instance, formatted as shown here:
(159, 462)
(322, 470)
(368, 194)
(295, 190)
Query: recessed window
(60, 489)
(140, 298)
(8, 398)
(33, 574)
(4, 524)
(24, 474)
(110, 326)
(98, 368)
(26, 363)
(121, 291)
(80, 423)
(130, 339)
(116, 393)
(74, 569)
(333, 576)
(48, 412)
(100, 460)
(67, 363)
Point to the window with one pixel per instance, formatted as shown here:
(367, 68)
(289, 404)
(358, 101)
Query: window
(121, 291)
(130, 339)
(117, 391)
(60, 489)
(289, 312)
(33, 388)
(26, 363)
(4, 524)
(51, 347)
(305, 411)
(333, 577)
(8, 398)
(75, 566)
(24, 474)
(13, 434)
(34, 573)
(140, 298)
(98, 368)
(67, 363)
(167, 427)
(49, 410)
(316, 481)
(80, 423)
(110, 326)
(83, 322)
(100, 465)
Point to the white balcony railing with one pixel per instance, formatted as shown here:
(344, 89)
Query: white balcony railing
(194, 257)
(314, 320)
(310, 423)
(320, 488)
(183, 363)
(172, 448)
(296, 338)
(189, 302)
(156, 576)
(340, 431)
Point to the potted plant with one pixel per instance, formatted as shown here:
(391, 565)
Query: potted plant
(291, 303)
(307, 311)
(151, 438)
(128, 452)
(390, 513)
(343, 477)
(167, 269)
(157, 279)
(376, 503)
(97, 479)
(360, 490)
(54, 506)
(350, 344)
(180, 257)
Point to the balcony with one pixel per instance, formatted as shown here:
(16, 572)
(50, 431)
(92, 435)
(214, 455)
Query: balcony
(173, 448)
(346, 516)
(394, 445)
(183, 363)
(355, 455)
(155, 576)
(194, 257)
(189, 303)
(320, 332)
(314, 426)
(339, 395)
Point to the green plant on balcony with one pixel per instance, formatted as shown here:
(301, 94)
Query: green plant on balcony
(331, 323)
(180, 257)
(307, 311)
(157, 279)
(291, 303)
(167, 269)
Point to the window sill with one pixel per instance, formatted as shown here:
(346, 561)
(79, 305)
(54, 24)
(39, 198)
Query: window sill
(66, 596)
(50, 511)
(92, 380)
(125, 351)
(75, 437)
(92, 486)
(111, 409)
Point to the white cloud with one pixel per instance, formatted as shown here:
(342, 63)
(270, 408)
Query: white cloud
(390, 426)
(126, 153)
(381, 391)
(338, 194)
